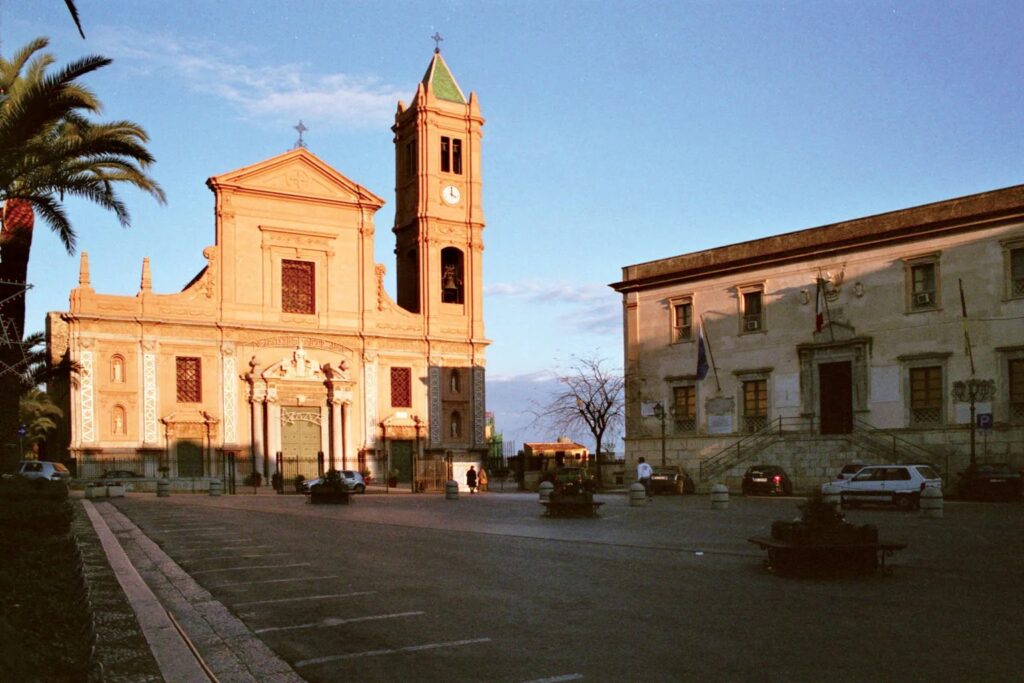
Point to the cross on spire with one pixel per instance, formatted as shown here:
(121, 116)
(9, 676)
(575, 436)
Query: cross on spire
(302, 129)
(437, 41)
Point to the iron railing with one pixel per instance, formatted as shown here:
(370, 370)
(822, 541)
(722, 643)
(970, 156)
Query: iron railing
(752, 444)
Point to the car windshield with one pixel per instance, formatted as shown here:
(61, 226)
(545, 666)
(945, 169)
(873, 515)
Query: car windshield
(348, 474)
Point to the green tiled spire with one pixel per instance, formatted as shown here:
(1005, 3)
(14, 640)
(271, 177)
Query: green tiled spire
(439, 79)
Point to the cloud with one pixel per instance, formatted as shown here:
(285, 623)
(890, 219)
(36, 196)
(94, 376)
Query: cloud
(594, 309)
(274, 93)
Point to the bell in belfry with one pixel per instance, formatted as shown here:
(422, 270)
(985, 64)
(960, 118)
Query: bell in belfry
(448, 281)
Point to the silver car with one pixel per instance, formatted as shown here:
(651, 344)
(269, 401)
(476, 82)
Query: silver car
(352, 480)
(41, 469)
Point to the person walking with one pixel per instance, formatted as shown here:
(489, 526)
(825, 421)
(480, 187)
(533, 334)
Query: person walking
(643, 475)
(481, 480)
(471, 479)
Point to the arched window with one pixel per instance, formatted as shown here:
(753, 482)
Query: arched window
(117, 369)
(118, 421)
(454, 383)
(451, 276)
(455, 428)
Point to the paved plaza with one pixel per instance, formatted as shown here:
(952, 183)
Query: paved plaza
(485, 588)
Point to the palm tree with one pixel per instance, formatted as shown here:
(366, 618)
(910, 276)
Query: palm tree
(50, 149)
(40, 415)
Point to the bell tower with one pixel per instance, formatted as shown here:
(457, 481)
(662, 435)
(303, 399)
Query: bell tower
(439, 221)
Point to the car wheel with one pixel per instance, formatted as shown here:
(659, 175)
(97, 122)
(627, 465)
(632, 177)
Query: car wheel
(904, 502)
(360, 488)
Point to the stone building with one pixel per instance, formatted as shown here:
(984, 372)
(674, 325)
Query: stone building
(840, 343)
(286, 344)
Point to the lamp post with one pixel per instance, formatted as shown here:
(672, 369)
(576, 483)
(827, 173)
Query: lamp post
(974, 391)
(659, 412)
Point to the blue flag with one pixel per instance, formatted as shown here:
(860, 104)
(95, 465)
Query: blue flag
(702, 354)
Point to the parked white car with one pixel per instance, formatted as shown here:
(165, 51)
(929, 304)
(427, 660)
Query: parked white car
(352, 480)
(898, 485)
(41, 469)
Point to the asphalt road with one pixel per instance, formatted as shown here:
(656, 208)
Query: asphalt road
(419, 588)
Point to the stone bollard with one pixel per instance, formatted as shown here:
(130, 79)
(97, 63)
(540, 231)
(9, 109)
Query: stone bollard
(637, 495)
(545, 489)
(115, 491)
(832, 494)
(216, 487)
(163, 488)
(451, 490)
(95, 491)
(719, 497)
(931, 502)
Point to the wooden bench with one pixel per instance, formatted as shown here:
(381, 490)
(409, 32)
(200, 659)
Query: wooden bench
(575, 506)
(788, 557)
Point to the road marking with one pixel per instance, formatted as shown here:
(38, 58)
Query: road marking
(390, 651)
(177, 529)
(221, 544)
(337, 621)
(305, 597)
(206, 547)
(238, 569)
(246, 584)
(233, 557)
(557, 679)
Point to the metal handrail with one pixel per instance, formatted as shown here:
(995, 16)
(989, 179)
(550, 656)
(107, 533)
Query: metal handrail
(754, 443)
(884, 441)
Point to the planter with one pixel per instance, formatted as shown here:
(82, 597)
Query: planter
(115, 491)
(320, 495)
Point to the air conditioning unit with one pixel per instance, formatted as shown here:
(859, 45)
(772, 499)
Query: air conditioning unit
(753, 325)
(923, 299)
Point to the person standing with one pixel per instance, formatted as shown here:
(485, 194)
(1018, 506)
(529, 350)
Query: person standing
(643, 475)
(471, 479)
(481, 480)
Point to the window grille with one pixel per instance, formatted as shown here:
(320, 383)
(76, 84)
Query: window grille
(297, 287)
(189, 380)
(401, 387)
(755, 405)
(1017, 272)
(926, 395)
(1016, 377)
(685, 408)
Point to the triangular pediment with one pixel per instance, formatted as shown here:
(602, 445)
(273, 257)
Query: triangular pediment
(298, 173)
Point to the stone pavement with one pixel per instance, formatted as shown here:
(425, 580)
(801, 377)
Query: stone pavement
(168, 603)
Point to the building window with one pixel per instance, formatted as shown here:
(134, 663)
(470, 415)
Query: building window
(455, 426)
(451, 155)
(117, 369)
(682, 320)
(755, 405)
(1015, 270)
(401, 387)
(298, 288)
(451, 276)
(684, 403)
(926, 395)
(752, 310)
(1015, 370)
(923, 283)
(118, 421)
(189, 375)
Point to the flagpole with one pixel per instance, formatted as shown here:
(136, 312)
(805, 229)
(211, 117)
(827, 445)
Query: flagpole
(968, 351)
(711, 355)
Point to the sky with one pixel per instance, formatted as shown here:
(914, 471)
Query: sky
(617, 132)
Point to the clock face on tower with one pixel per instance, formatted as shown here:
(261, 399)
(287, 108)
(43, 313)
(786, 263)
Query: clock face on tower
(451, 195)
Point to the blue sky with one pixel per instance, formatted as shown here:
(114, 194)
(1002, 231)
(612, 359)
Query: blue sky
(616, 132)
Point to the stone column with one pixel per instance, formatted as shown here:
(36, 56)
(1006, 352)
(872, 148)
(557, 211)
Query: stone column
(273, 434)
(337, 449)
(257, 435)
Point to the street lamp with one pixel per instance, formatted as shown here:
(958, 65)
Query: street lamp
(659, 412)
(974, 391)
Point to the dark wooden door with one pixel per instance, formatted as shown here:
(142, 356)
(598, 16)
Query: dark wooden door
(401, 460)
(835, 385)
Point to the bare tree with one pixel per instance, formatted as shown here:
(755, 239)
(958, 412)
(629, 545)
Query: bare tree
(590, 400)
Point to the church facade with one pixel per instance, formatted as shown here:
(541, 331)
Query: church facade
(286, 349)
(890, 338)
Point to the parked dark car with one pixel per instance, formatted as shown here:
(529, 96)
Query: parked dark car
(120, 474)
(767, 479)
(990, 481)
(671, 479)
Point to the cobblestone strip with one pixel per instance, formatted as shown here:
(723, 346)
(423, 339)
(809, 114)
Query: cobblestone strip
(226, 644)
